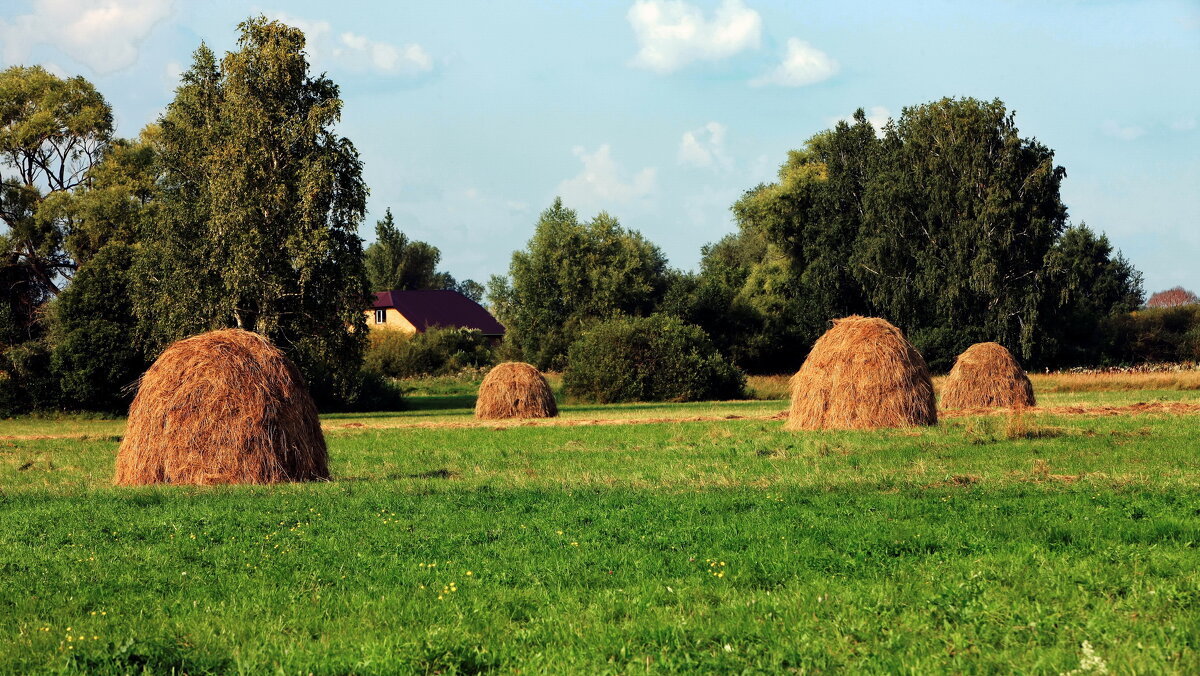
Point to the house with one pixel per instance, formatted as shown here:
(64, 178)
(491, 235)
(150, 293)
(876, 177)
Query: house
(417, 311)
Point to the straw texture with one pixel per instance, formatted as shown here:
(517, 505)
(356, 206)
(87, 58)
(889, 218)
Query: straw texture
(862, 374)
(515, 390)
(221, 408)
(987, 376)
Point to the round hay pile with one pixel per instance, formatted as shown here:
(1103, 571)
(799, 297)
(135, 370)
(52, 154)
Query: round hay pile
(862, 374)
(515, 390)
(221, 408)
(987, 376)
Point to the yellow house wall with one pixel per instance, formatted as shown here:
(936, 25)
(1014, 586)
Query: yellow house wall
(393, 321)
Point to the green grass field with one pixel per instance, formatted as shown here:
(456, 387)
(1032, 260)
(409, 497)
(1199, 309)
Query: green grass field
(987, 544)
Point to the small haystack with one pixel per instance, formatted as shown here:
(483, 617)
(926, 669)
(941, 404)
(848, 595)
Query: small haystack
(987, 376)
(221, 408)
(863, 373)
(515, 390)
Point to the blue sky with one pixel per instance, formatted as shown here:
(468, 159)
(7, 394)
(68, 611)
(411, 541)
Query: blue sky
(471, 116)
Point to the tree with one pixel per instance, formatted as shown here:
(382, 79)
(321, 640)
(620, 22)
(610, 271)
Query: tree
(570, 275)
(395, 263)
(1173, 297)
(51, 133)
(260, 203)
(655, 358)
(1087, 282)
(95, 357)
(947, 226)
(964, 213)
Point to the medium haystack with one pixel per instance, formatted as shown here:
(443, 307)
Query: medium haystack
(862, 374)
(987, 376)
(515, 390)
(221, 408)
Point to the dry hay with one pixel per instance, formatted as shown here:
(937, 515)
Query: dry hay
(515, 390)
(862, 374)
(220, 408)
(987, 376)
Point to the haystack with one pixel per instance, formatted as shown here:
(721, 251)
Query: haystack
(862, 374)
(987, 376)
(221, 408)
(515, 390)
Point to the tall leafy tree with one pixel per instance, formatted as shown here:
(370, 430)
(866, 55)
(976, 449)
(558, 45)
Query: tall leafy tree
(52, 131)
(396, 263)
(1087, 282)
(260, 202)
(964, 212)
(570, 275)
(949, 225)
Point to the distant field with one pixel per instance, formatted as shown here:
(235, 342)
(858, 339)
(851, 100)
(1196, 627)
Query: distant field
(701, 542)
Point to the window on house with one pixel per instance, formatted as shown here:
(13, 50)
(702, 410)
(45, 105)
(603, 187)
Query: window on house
(380, 316)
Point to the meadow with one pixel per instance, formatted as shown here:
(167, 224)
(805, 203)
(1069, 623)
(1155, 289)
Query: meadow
(627, 539)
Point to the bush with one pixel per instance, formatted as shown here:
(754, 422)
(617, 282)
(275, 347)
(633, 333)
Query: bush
(435, 352)
(656, 358)
(95, 356)
(1169, 334)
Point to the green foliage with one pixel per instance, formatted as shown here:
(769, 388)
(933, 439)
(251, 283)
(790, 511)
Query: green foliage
(258, 211)
(1089, 284)
(95, 356)
(51, 132)
(439, 351)
(571, 275)
(655, 358)
(117, 198)
(396, 264)
(950, 226)
(1168, 334)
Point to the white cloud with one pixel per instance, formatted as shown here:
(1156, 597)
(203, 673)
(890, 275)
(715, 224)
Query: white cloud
(802, 65)
(1124, 133)
(358, 52)
(362, 53)
(600, 182)
(672, 33)
(878, 116)
(705, 147)
(1184, 124)
(104, 35)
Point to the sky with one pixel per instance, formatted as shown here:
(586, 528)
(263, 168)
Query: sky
(471, 116)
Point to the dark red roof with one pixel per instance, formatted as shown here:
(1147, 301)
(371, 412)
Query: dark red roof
(427, 309)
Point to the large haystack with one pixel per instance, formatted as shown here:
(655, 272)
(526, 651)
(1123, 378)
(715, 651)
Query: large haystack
(987, 376)
(515, 390)
(862, 374)
(220, 408)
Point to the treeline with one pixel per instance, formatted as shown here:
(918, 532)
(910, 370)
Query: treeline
(949, 224)
(240, 207)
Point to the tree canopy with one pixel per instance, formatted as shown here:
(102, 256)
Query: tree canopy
(570, 275)
(260, 202)
(52, 131)
(947, 225)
